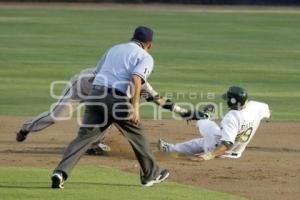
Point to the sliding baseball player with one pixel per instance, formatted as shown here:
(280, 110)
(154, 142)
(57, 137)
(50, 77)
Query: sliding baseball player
(231, 138)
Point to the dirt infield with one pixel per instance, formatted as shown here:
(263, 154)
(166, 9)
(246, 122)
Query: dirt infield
(269, 169)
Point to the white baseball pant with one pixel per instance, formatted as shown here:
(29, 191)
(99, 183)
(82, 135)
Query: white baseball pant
(211, 136)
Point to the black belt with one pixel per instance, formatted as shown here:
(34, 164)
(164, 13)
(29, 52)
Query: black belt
(109, 90)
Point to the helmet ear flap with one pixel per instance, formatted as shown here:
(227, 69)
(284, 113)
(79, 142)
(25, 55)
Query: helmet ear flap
(238, 105)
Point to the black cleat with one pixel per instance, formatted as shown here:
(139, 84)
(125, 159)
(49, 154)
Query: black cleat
(209, 109)
(164, 174)
(21, 135)
(57, 181)
(99, 149)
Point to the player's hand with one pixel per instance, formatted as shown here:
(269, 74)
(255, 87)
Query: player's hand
(135, 117)
(203, 157)
(197, 157)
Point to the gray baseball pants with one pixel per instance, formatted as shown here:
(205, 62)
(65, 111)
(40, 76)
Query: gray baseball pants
(74, 93)
(105, 111)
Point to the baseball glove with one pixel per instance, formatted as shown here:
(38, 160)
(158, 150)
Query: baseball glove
(194, 115)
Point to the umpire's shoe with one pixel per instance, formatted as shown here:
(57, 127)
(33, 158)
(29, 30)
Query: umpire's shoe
(161, 177)
(21, 135)
(57, 181)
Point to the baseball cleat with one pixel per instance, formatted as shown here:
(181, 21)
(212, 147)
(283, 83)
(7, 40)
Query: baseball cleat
(163, 145)
(21, 135)
(164, 174)
(98, 149)
(57, 181)
(104, 147)
(209, 109)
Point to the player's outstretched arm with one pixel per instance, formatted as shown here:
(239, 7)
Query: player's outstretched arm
(152, 95)
(217, 152)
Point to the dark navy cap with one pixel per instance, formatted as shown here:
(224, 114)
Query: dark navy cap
(143, 34)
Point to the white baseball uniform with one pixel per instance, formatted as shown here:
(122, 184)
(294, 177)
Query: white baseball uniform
(238, 127)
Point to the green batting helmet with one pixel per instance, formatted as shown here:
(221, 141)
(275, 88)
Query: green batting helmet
(235, 97)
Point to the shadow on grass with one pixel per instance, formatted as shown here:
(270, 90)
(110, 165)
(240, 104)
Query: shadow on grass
(103, 184)
(31, 185)
(23, 187)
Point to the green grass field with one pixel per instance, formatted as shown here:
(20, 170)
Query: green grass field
(199, 52)
(94, 183)
(196, 52)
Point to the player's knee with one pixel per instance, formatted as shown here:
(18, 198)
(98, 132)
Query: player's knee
(203, 122)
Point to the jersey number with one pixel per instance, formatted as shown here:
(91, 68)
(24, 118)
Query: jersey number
(243, 137)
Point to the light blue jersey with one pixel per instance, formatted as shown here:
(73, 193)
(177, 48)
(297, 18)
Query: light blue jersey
(119, 63)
